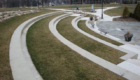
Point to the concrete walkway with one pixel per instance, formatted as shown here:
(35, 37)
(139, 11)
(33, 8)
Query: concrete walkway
(105, 17)
(127, 45)
(112, 67)
(129, 53)
(21, 64)
(132, 65)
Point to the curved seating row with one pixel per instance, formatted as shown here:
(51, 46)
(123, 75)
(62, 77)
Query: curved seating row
(21, 64)
(127, 46)
(125, 57)
(110, 66)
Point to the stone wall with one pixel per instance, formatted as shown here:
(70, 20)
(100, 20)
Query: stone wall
(10, 14)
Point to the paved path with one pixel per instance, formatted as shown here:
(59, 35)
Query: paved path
(119, 28)
(126, 65)
(112, 67)
(21, 64)
(126, 45)
(129, 53)
(132, 65)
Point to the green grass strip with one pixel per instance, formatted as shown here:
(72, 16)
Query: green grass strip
(82, 25)
(7, 28)
(56, 61)
(119, 11)
(99, 49)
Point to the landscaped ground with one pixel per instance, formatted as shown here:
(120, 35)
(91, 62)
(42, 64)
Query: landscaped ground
(7, 28)
(88, 44)
(119, 28)
(118, 11)
(83, 6)
(14, 9)
(87, 7)
(56, 61)
(51, 60)
(82, 25)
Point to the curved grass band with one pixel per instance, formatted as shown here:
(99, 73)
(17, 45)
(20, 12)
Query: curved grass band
(55, 60)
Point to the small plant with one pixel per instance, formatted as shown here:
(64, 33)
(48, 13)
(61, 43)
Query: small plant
(125, 12)
(138, 18)
(137, 12)
(131, 15)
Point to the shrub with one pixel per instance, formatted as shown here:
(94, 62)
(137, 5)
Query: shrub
(131, 15)
(125, 12)
(138, 18)
(137, 11)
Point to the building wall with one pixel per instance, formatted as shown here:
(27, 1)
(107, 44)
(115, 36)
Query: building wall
(99, 1)
(84, 1)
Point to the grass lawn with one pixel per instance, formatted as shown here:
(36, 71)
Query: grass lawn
(82, 25)
(7, 28)
(87, 7)
(82, 6)
(87, 43)
(118, 11)
(55, 61)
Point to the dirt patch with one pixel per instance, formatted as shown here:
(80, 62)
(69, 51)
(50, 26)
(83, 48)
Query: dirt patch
(124, 19)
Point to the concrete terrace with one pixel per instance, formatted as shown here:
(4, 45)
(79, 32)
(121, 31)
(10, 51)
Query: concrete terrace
(23, 68)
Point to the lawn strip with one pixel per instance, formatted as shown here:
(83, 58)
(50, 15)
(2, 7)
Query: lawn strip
(7, 28)
(99, 49)
(56, 61)
(82, 25)
(83, 6)
(119, 11)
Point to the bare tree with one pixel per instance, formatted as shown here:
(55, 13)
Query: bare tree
(3, 3)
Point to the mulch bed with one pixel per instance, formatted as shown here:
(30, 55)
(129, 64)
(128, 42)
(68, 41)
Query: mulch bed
(124, 19)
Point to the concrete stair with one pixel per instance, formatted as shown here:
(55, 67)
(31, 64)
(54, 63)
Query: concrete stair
(132, 65)
(134, 61)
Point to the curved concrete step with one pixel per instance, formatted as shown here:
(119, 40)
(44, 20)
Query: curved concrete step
(131, 65)
(21, 64)
(129, 54)
(134, 61)
(112, 67)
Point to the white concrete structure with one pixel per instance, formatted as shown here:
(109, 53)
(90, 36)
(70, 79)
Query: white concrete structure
(132, 65)
(23, 67)
(131, 54)
(112, 67)
(21, 64)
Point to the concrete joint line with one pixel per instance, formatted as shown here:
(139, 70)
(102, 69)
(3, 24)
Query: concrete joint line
(107, 35)
(129, 54)
(20, 61)
(110, 66)
(125, 57)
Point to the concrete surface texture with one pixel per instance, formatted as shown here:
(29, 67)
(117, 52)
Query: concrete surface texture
(132, 65)
(119, 28)
(23, 68)
(112, 67)
(20, 61)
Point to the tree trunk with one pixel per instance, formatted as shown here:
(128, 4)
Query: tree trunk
(2, 3)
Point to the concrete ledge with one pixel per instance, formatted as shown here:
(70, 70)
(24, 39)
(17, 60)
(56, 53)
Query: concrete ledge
(110, 66)
(130, 53)
(95, 29)
(20, 61)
